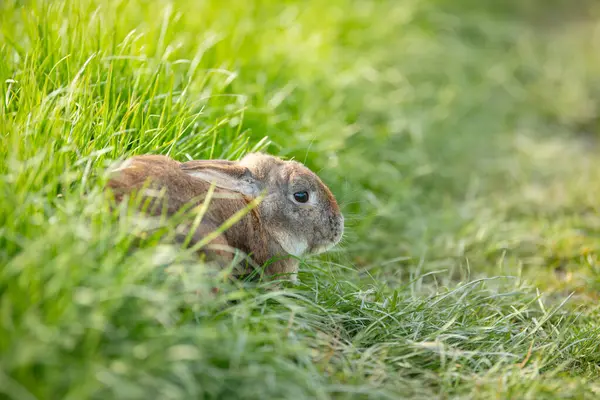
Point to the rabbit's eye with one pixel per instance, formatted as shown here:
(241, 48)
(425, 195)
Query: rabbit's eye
(301, 197)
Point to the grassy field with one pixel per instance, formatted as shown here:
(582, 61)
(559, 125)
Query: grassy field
(461, 139)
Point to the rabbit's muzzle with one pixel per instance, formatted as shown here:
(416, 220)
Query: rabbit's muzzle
(328, 234)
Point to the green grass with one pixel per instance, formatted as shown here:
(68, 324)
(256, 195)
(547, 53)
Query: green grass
(459, 136)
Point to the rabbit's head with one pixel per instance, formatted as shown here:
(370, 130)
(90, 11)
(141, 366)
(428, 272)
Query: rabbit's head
(298, 210)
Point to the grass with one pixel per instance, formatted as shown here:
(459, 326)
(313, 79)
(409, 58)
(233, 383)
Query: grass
(460, 138)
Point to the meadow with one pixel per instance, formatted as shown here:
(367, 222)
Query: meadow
(460, 138)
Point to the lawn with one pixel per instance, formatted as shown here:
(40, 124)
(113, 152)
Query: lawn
(460, 138)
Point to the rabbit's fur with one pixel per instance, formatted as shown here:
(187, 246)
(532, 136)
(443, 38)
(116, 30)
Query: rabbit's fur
(277, 228)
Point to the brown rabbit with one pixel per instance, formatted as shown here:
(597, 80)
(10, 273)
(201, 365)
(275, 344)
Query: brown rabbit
(297, 216)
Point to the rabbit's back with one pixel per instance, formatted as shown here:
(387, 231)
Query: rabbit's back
(157, 175)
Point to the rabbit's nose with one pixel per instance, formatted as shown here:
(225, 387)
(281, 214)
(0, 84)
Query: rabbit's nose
(336, 223)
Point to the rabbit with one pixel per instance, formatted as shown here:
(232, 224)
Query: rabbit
(297, 216)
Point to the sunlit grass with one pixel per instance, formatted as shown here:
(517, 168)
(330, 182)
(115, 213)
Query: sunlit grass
(460, 140)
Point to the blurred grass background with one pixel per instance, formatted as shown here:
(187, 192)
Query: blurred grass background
(459, 136)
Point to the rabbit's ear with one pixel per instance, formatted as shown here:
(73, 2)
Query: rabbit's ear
(224, 174)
